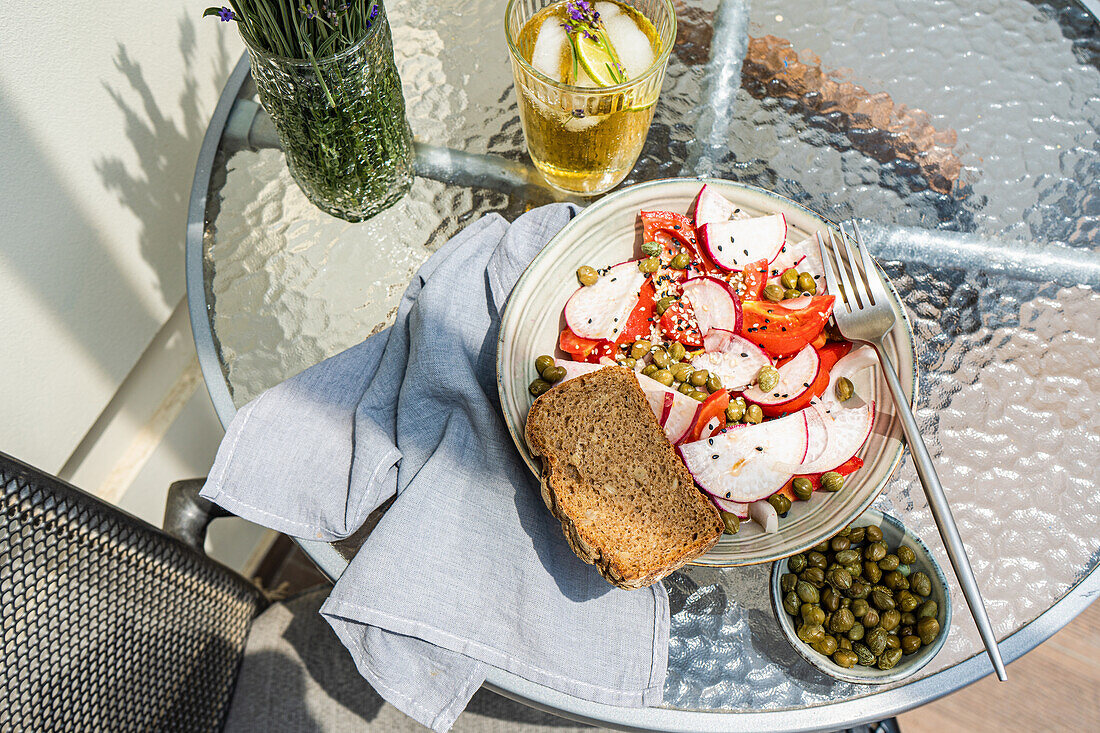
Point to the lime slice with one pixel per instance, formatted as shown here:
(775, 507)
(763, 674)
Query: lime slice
(597, 62)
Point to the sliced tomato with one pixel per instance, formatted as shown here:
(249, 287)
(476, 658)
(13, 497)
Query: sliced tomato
(678, 324)
(828, 355)
(820, 341)
(578, 348)
(666, 226)
(637, 324)
(712, 407)
(782, 332)
(847, 468)
(755, 277)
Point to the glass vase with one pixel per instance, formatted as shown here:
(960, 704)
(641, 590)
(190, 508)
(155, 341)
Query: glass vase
(341, 123)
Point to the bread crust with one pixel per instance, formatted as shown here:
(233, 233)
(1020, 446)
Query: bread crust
(590, 548)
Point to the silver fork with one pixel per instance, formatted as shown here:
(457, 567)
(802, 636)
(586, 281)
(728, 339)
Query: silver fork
(863, 313)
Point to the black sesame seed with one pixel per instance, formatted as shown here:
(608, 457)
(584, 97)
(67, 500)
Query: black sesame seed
(714, 457)
(745, 251)
(589, 320)
(727, 494)
(710, 441)
(719, 248)
(744, 353)
(783, 327)
(676, 227)
(760, 448)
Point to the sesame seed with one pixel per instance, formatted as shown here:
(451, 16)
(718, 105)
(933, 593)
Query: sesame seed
(745, 251)
(760, 448)
(727, 494)
(714, 457)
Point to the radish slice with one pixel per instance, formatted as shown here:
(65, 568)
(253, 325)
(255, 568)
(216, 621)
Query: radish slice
(764, 514)
(713, 303)
(804, 256)
(575, 369)
(740, 510)
(796, 304)
(734, 244)
(716, 339)
(817, 436)
(744, 465)
(600, 310)
(795, 378)
(712, 206)
(736, 364)
(676, 412)
(713, 426)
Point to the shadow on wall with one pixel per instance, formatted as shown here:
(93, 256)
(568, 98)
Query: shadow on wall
(155, 193)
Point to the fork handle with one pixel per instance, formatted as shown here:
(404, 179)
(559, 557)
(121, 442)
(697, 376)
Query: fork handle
(941, 511)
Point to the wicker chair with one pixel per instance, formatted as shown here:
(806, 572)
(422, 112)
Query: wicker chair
(108, 623)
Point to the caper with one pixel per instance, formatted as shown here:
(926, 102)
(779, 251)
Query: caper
(864, 655)
(890, 619)
(874, 551)
(857, 632)
(845, 643)
(792, 293)
(893, 641)
(841, 579)
(681, 371)
(640, 348)
(838, 543)
(844, 389)
(928, 629)
(774, 293)
(822, 546)
(928, 609)
(732, 523)
(587, 275)
(538, 387)
(630, 362)
(651, 249)
(847, 557)
(660, 358)
(676, 351)
(664, 304)
(826, 646)
(871, 618)
(796, 563)
(872, 571)
(854, 569)
(832, 481)
(767, 378)
(699, 378)
(876, 640)
(845, 658)
(736, 410)
(806, 283)
(857, 535)
(906, 555)
(859, 589)
(754, 415)
(811, 634)
(906, 601)
(787, 581)
(874, 534)
(889, 562)
(813, 576)
(860, 607)
(791, 603)
(895, 580)
(905, 569)
(543, 363)
(780, 503)
(920, 584)
(816, 559)
(649, 370)
(910, 644)
(680, 261)
(904, 631)
(686, 388)
(889, 658)
(714, 383)
(830, 599)
(663, 376)
(882, 600)
(807, 592)
(789, 278)
(802, 488)
(554, 374)
(649, 265)
(909, 619)
(811, 614)
(698, 394)
(841, 621)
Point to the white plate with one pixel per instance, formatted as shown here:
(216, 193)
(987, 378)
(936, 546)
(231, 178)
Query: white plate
(608, 232)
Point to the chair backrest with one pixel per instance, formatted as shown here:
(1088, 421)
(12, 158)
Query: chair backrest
(106, 622)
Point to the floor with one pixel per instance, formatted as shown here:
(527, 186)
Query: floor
(1054, 688)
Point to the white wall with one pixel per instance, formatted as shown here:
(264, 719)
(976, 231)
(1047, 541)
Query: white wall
(102, 110)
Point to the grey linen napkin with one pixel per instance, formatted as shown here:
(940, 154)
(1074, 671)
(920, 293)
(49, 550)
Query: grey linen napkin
(467, 568)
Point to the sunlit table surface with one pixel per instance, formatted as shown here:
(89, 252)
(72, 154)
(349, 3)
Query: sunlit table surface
(966, 139)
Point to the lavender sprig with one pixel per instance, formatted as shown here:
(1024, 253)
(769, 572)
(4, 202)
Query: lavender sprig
(585, 23)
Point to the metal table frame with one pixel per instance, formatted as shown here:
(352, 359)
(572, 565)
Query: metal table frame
(239, 120)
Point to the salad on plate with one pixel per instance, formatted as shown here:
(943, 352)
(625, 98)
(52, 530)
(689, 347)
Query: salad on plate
(727, 327)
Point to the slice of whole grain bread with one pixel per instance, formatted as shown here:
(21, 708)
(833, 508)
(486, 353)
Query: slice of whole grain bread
(625, 500)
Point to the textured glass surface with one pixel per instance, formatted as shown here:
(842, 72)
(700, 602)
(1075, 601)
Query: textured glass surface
(965, 135)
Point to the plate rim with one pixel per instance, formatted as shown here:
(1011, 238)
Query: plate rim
(576, 222)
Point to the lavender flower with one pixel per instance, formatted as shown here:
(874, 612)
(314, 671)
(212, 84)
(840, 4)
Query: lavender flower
(374, 12)
(307, 10)
(226, 14)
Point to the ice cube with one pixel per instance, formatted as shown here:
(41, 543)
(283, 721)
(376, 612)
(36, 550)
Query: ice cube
(631, 44)
(606, 10)
(550, 47)
(583, 79)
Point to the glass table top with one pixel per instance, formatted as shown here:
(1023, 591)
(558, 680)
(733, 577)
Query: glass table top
(964, 136)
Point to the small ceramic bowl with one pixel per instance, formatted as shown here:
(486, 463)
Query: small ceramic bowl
(893, 533)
